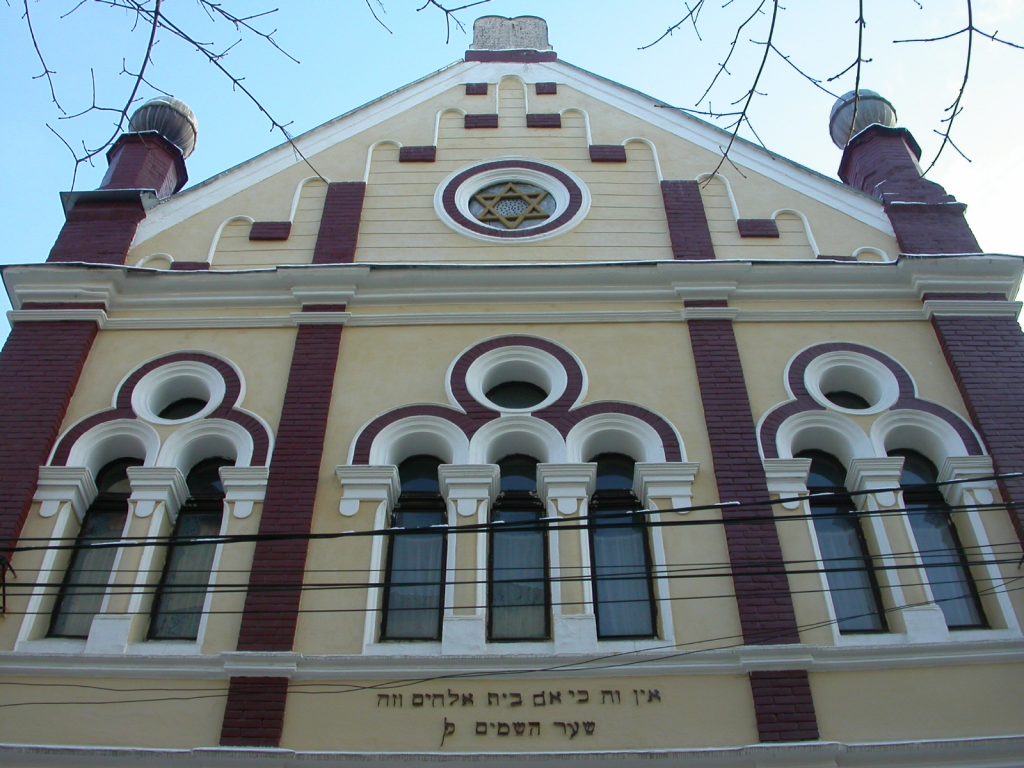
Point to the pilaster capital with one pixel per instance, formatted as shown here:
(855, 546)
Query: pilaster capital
(659, 480)
(366, 482)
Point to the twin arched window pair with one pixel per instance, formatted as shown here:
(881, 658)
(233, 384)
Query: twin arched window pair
(519, 599)
(178, 602)
(849, 567)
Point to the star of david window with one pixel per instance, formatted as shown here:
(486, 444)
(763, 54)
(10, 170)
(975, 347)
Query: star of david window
(512, 205)
(512, 200)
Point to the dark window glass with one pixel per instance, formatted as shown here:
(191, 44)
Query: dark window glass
(619, 554)
(845, 399)
(851, 578)
(518, 473)
(516, 394)
(182, 409)
(518, 584)
(414, 591)
(85, 581)
(938, 544)
(178, 603)
(418, 474)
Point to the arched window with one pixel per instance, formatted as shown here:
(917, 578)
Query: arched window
(519, 599)
(85, 581)
(619, 553)
(938, 544)
(414, 591)
(178, 603)
(844, 553)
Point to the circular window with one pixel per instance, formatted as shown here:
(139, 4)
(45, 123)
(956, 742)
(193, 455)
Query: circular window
(516, 379)
(512, 201)
(178, 391)
(851, 383)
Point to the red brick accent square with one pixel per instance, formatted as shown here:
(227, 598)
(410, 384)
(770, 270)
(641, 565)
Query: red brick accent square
(757, 227)
(254, 714)
(687, 222)
(543, 120)
(424, 154)
(476, 89)
(481, 121)
(270, 230)
(607, 153)
(783, 706)
(546, 89)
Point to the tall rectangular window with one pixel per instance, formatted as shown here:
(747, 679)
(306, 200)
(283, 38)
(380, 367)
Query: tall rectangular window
(621, 563)
(518, 573)
(414, 597)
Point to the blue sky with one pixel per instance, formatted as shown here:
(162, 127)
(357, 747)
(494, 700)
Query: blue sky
(347, 59)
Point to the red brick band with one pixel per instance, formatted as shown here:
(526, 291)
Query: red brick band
(254, 715)
(762, 588)
(270, 230)
(275, 580)
(39, 369)
(480, 121)
(519, 57)
(757, 227)
(986, 356)
(783, 706)
(607, 153)
(339, 225)
(543, 120)
(424, 154)
(687, 222)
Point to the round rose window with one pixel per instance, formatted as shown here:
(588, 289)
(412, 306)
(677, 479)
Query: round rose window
(512, 201)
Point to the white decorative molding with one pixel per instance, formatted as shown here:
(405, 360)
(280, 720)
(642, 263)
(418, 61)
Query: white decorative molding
(60, 485)
(965, 490)
(97, 316)
(469, 488)
(173, 381)
(111, 440)
(366, 482)
(671, 480)
(204, 439)
(243, 487)
(515, 362)
(853, 372)
(617, 433)
(414, 435)
(868, 474)
(566, 487)
(157, 485)
(516, 434)
(787, 478)
(961, 308)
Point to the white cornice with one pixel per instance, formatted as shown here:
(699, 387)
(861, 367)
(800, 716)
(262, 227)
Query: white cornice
(979, 752)
(989, 647)
(371, 290)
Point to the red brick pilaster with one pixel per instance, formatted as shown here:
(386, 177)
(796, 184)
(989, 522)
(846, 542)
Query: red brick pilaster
(687, 222)
(783, 706)
(782, 699)
(275, 581)
(339, 225)
(254, 715)
(39, 369)
(986, 356)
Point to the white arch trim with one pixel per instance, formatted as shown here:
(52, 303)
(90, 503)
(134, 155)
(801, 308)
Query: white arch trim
(204, 440)
(586, 121)
(297, 196)
(919, 431)
(153, 257)
(871, 249)
(522, 84)
(121, 438)
(516, 434)
(431, 435)
(807, 227)
(615, 433)
(440, 115)
(220, 230)
(373, 148)
(654, 154)
(822, 431)
(728, 190)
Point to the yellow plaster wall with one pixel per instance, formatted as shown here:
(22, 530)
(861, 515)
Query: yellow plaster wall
(118, 712)
(620, 712)
(947, 702)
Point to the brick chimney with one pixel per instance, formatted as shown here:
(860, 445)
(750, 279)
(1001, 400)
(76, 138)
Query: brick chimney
(882, 160)
(144, 166)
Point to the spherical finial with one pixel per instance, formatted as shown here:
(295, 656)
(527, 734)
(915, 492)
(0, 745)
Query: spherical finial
(171, 118)
(872, 108)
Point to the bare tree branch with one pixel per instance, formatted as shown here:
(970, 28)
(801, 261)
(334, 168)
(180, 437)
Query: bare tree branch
(691, 15)
(449, 15)
(954, 108)
(732, 49)
(377, 18)
(753, 87)
(47, 72)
